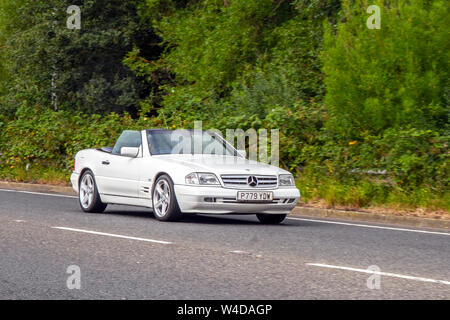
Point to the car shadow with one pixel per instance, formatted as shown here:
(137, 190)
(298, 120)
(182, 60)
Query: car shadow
(244, 219)
(189, 218)
(130, 213)
(219, 219)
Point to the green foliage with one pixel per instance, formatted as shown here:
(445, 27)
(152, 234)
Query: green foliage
(386, 93)
(51, 139)
(243, 65)
(85, 65)
(366, 192)
(212, 43)
(410, 158)
(394, 77)
(362, 114)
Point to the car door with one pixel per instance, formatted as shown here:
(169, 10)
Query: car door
(118, 175)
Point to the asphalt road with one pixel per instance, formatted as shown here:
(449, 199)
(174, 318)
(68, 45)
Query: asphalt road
(125, 253)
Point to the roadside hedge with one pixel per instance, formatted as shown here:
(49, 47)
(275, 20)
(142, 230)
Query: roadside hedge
(363, 113)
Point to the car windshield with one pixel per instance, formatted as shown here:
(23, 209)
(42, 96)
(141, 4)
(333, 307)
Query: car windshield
(187, 142)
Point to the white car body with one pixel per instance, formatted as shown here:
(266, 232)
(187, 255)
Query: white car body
(130, 180)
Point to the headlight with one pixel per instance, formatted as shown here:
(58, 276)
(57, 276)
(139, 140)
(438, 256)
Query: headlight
(192, 178)
(201, 178)
(286, 180)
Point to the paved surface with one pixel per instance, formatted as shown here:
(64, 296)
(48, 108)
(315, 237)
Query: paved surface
(209, 257)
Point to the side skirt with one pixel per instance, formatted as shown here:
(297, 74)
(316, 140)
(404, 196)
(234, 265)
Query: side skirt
(141, 202)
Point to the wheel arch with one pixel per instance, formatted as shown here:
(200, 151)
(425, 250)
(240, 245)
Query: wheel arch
(82, 172)
(95, 180)
(159, 174)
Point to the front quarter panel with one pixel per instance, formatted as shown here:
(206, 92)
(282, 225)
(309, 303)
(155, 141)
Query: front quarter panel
(153, 167)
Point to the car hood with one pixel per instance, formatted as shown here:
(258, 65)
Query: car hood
(220, 164)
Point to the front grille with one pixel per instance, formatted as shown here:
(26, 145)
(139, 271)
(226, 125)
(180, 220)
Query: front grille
(241, 181)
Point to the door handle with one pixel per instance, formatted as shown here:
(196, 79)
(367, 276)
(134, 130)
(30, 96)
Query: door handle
(106, 162)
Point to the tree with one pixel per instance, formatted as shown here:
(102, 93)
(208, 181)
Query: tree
(85, 65)
(216, 50)
(396, 77)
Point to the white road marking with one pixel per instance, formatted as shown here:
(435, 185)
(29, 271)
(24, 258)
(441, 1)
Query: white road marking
(371, 226)
(19, 221)
(245, 253)
(239, 252)
(39, 193)
(112, 235)
(388, 274)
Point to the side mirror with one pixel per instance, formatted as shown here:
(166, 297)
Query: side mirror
(243, 153)
(129, 152)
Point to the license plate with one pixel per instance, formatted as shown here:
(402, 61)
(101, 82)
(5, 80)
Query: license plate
(254, 196)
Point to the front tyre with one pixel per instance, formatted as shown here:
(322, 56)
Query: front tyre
(271, 218)
(165, 205)
(88, 196)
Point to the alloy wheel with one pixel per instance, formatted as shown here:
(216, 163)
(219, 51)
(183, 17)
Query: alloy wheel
(161, 198)
(86, 191)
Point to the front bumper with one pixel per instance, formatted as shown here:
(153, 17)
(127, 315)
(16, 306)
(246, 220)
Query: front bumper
(218, 200)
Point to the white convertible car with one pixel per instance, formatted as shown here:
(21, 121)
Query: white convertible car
(181, 171)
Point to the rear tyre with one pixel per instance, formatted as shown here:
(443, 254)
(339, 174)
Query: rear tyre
(88, 196)
(271, 218)
(165, 205)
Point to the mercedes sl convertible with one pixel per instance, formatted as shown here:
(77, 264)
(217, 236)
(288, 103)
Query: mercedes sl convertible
(178, 172)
